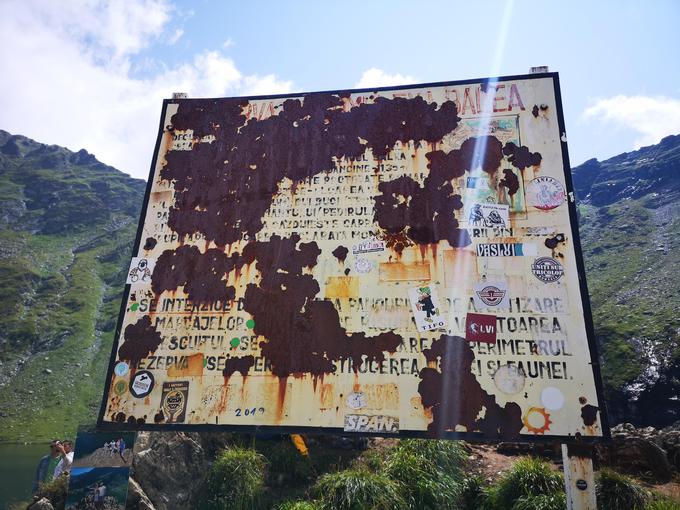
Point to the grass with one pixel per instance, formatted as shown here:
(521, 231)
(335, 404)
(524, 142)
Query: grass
(236, 480)
(529, 482)
(430, 472)
(619, 492)
(359, 489)
(633, 300)
(70, 310)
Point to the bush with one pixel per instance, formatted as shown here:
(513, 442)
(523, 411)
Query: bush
(54, 490)
(286, 465)
(299, 505)
(618, 492)
(473, 496)
(663, 503)
(557, 501)
(429, 472)
(358, 489)
(530, 481)
(236, 480)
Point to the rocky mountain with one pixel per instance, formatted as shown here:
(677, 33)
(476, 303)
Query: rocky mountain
(629, 218)
(66, 227)
(67, 224)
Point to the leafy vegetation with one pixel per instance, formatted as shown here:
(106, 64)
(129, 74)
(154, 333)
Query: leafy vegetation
(429, 472)
(358, 489)
(531, 483)
(236, 480)
(619, 492)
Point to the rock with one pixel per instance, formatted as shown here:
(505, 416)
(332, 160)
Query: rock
(41, 504)
(170, 459)
(48, 371)
(137, 498)
(636, 451)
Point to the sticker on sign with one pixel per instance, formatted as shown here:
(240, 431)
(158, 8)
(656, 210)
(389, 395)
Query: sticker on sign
(371, 423)
(368, 246)
(141, 269)
(426, 308)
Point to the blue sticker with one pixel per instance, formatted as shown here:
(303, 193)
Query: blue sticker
(121, 369)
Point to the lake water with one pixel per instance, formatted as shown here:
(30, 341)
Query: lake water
(18, 463)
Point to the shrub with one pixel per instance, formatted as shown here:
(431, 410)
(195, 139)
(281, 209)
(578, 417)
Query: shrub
(663, 503)
(286, 464)
(55, 491)
(618, 492)
(528, 479)
(430, 472)
(472, 496)
(557, 501)
(236, 480)
(299, 505)
(358, 489)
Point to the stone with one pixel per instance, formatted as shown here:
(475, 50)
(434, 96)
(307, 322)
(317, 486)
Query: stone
(137, 498)
(635, 451)
(41, 504)
(170, 459)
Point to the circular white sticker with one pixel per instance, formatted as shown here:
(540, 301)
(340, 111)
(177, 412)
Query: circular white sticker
(552, 398)
(509, 380)
(545, 193)
(363, 265)
(121, 368)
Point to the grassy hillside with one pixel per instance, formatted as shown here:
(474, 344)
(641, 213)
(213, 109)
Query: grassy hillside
(631, 243)
(66, 225)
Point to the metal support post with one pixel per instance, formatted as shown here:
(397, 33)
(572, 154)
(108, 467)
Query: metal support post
(579, 478)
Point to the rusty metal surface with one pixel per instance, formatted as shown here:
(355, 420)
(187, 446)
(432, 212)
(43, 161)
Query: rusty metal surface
(405, 255)
(579, 477)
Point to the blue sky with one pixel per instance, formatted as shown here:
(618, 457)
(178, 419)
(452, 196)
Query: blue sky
(92, 74)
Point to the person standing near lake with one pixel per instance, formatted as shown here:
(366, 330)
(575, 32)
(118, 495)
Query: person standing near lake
(66, 452)
(45, 471)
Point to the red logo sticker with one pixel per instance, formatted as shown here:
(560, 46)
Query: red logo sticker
(480, 328)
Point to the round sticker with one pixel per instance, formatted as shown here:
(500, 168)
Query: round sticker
(363, 265)
(121, 368)
(581, 484)
(356, 400)
(491, 295)
(552, 398)
(545, 193)
(141, 384)
(509, 379)
(120, 387)
(547, 269)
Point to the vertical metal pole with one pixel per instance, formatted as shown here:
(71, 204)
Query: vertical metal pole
(579, 478)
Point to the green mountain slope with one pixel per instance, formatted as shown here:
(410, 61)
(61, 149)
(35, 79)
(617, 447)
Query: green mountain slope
(629, 208)
(66, 225)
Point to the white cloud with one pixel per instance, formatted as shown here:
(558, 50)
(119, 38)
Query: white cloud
(228, 43)
(375, 77)
(67, 78)
(651, 117)
(269, 84)
(176, 36)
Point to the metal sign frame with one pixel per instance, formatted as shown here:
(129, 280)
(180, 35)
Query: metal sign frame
(470, 436)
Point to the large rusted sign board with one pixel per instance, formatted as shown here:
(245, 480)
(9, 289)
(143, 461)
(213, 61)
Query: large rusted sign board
(387, 261)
